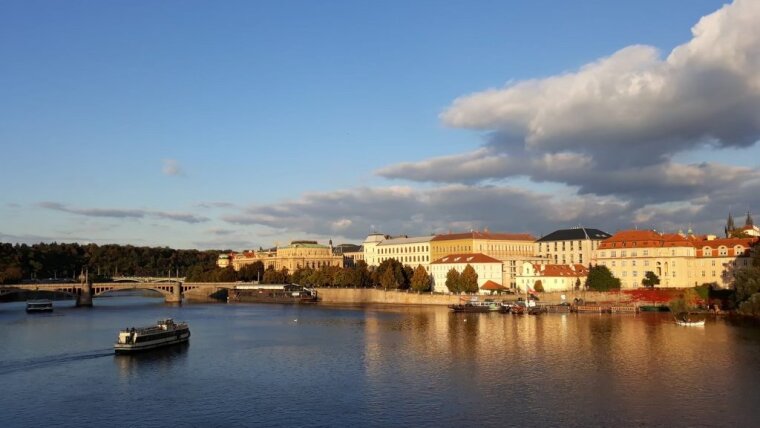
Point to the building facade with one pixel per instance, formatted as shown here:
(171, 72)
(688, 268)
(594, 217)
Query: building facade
(414, 251)
(679, 260)
(511, 248)
(716, 259)
(487, 268)
(369, 248)
(291, 257)
(570, 246)
(552, 277)
(630, 254)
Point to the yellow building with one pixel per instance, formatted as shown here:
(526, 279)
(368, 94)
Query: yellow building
(296, 255)
(630, 254)
(511, 248)
(680, 261)
(718, 258)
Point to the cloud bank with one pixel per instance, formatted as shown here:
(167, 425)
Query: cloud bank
(124, 213)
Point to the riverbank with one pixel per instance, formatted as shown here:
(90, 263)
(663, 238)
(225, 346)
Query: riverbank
(396, 297)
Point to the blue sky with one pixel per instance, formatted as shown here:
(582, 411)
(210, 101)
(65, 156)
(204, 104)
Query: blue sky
(200, 124)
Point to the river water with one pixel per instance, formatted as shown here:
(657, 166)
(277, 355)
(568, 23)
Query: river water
(279, 365)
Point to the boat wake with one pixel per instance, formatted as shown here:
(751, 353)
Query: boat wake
(12, 366)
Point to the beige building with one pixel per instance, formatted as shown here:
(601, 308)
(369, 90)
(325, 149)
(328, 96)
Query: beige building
(679, 260)
(408, 251)
(570, 246)
(511, 248)
(629, 254)
(718, 258)
(552, 277)
(487, 268)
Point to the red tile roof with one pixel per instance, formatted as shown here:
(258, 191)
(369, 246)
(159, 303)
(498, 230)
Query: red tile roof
(561, 270)
(492, 286)
(466, 258)
(729, 243)
(485, 235)
(644, 239)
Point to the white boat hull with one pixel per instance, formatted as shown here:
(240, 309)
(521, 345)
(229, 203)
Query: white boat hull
(691, 323)
(126, 348)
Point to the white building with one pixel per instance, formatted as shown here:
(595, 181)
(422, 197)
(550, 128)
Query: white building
(570, 246)
(408, 251)
(369, 247)
(487, 268)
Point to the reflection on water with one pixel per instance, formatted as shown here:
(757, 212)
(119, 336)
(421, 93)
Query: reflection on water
(157, 361)
(279, 365)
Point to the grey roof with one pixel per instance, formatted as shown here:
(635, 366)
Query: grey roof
(412, 240)
(575, 234)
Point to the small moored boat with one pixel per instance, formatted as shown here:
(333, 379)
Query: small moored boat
(690, 319)
(39, 305)
(165, 333)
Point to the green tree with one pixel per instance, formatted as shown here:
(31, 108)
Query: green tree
(408, 272)
(577, 283)
(453, 281)
(650, 279)
(468, 281)
(601, 279)
(421, 281)
(539, 286)
(746, 283)
(251, 272)
(227, 274)
(396, 268)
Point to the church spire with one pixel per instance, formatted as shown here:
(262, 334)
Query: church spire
(729, 225)
(748, 221)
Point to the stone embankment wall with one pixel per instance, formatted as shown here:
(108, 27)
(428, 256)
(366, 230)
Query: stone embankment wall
(371, 295)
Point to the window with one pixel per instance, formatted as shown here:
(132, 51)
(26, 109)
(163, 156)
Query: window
(633, 262)
(612, 254)
(634, 273)
(646, 253)
(646, 262)
(622, 253)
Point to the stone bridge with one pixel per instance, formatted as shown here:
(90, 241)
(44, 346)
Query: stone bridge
(173, 292)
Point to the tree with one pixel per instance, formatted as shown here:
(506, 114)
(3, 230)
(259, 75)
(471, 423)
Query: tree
(601, 279)
(453, 281)
(468, 281)
(408, 274)
(251, 272)
(421, 281)
(650, 279)
(396, 268)
(388, 280)
(539, 286)
(577, 283)
(227, 274)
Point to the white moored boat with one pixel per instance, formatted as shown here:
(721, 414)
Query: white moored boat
(164, 333)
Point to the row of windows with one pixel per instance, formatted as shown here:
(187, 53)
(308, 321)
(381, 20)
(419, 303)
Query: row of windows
(408, 259)
(403, 250)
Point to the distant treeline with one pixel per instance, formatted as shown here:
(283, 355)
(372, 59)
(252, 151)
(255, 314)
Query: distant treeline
(21, 262)
(391, 274)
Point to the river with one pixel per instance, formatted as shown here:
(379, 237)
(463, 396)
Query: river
(279, 365)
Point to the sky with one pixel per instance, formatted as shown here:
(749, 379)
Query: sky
(239, 124)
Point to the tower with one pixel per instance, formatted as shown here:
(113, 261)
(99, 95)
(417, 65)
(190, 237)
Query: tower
(748, 221)
(730, 225)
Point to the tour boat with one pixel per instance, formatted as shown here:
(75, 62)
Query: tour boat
(40, 305)
(166, 332)
(272, 293)
(475, 305)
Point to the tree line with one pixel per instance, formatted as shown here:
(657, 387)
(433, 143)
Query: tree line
(63, 261)
(389, 275)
